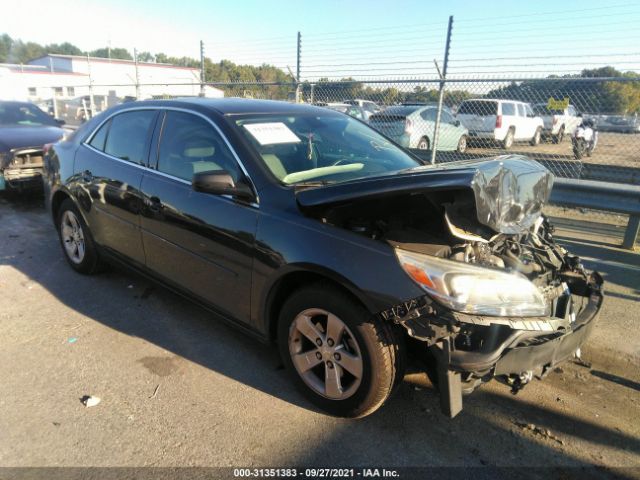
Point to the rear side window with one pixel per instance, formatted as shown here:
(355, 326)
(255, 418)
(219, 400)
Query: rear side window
(99, 138)
(429, 114)
(478, 108)
(508, 109)
(128, 135)
(521, 112)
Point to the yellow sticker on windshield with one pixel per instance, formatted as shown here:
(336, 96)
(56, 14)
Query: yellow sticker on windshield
(271, 133)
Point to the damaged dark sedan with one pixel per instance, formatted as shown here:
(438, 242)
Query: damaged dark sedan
(24, 130)
(306, 227)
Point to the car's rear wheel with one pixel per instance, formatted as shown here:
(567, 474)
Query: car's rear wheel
(536, 137)
(462, 144)
(346, 362)
(423, 144)
(76, 240)
(508, 139)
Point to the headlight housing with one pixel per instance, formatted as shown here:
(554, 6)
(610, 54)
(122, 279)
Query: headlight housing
(472, 289)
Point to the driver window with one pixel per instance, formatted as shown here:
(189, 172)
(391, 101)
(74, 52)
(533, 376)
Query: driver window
(190, 145)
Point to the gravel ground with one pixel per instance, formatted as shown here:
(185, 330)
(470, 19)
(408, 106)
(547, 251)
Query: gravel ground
(178, 388)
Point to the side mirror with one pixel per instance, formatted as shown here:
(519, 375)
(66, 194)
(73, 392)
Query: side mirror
(579, 114)
(456, 123)
(60, 122)
(220, 182)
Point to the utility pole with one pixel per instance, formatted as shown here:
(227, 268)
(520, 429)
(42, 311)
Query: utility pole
(91, 106)
(298, 53)
(443, 76)
(135, 59)
(202, 75)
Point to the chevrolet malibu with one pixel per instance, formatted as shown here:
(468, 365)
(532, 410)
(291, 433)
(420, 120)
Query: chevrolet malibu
(307, 228)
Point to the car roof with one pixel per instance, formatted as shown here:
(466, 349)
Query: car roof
(240, 106)
(15, 102)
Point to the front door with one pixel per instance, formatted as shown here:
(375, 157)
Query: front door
(200, 242)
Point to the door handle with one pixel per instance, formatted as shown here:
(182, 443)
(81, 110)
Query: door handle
(87, 176)
(154, 204)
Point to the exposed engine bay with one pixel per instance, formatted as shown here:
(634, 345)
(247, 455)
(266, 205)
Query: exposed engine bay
(492, 228)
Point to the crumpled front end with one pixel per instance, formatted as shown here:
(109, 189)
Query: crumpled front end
(22, 169)
(501, 297)
(471, 349)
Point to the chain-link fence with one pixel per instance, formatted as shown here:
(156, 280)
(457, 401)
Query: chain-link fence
(480, 87)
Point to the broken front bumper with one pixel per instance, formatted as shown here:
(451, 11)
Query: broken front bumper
(514, 353)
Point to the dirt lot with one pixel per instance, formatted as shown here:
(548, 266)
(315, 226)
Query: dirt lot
(613, 149)
(180, 389)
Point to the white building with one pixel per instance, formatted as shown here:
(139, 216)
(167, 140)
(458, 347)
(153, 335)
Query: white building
(69, 76)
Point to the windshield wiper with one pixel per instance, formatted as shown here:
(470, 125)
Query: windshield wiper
(312, 183)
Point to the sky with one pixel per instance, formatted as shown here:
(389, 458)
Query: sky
(362, 39)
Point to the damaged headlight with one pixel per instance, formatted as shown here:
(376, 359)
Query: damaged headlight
(471, 289)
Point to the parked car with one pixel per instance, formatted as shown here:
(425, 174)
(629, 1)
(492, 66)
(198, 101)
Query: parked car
(79, 109)
(306, 227)
(618, 123)
(24, 130)
(413, 126)
(503, 121)
(368, 106)
(557, 122)
(353, 110)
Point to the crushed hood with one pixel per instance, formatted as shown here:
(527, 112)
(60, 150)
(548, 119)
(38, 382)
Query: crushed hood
(509, 190)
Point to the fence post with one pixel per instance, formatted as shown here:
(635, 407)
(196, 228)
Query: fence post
(135, 61)
(202, 77)
(298, 52)
(443, 77)
(631, 232)
(91, 106)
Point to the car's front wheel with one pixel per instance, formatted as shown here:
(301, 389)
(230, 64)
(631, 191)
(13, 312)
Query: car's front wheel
(76, 240)
(346, 362)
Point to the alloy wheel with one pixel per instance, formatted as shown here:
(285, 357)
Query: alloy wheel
(72, 237)
(325, 354)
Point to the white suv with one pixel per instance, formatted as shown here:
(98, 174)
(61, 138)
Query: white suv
(504, 121)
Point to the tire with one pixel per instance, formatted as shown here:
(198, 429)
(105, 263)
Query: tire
(577, 151)
(76, 241)
(536, 137)
(375, 350)
(462, 144)
(423, 144)
(508, 139)
(559, 137)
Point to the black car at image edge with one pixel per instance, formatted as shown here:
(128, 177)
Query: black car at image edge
(24, 130)
(307, 228)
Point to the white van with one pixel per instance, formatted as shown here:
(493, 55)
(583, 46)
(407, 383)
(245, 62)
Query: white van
(504, 121)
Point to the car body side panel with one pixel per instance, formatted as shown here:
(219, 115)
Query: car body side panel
(370, 266)
(203, 243)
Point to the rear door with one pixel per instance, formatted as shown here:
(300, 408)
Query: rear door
(525, 126)
(199, 242)
(109, 167)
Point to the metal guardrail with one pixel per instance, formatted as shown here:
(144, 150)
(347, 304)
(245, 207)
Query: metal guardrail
(610, 197)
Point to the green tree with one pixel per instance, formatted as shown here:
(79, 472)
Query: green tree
(115, 53)
(65, 48)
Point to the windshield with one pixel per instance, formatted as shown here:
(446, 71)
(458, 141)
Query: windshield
(23, 114)
(322, 148)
